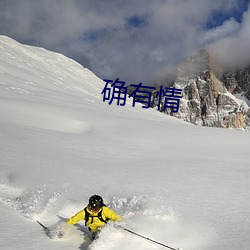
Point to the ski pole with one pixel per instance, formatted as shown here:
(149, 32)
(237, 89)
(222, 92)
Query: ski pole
(45, 228)
(146, 238)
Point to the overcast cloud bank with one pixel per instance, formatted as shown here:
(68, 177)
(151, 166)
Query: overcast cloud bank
(137, 41)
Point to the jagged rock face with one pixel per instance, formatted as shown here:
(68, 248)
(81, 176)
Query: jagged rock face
(206, 100)
(237, 81)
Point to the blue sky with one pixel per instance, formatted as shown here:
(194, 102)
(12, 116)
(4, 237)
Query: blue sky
(135, 40)
(218, 17)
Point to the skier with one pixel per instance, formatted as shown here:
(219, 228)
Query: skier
(95, 214)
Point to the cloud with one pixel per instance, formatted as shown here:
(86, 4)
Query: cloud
(233, 49)
(135, 40)
(228, 28)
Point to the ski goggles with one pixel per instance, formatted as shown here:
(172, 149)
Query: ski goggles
(94, 208)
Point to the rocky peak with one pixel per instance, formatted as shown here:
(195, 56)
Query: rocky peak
(237, 81)
(208, 98)
(195, 65)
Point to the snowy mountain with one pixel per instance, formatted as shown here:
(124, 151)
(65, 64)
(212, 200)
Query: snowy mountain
(183, 185)
(208, 98)
(237, 81)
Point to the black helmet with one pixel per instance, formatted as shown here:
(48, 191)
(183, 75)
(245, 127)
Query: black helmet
(95, 202)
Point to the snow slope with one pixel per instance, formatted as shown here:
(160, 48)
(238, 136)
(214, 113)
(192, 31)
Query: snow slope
(176, 183)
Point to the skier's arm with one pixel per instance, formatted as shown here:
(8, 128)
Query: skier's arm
(77, 217)
(110, 214)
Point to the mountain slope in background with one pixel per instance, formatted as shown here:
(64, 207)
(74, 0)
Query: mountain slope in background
(183, 185)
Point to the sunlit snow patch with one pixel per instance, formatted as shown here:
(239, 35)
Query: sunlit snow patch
(41, 116)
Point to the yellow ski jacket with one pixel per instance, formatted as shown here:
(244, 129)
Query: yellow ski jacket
(94, 223)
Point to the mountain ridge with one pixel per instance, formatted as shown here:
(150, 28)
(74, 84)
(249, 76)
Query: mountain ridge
(208, 98)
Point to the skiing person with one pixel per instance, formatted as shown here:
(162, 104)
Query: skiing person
(95, 214)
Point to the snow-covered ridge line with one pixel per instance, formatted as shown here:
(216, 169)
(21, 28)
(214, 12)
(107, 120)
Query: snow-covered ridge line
(31, 62)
